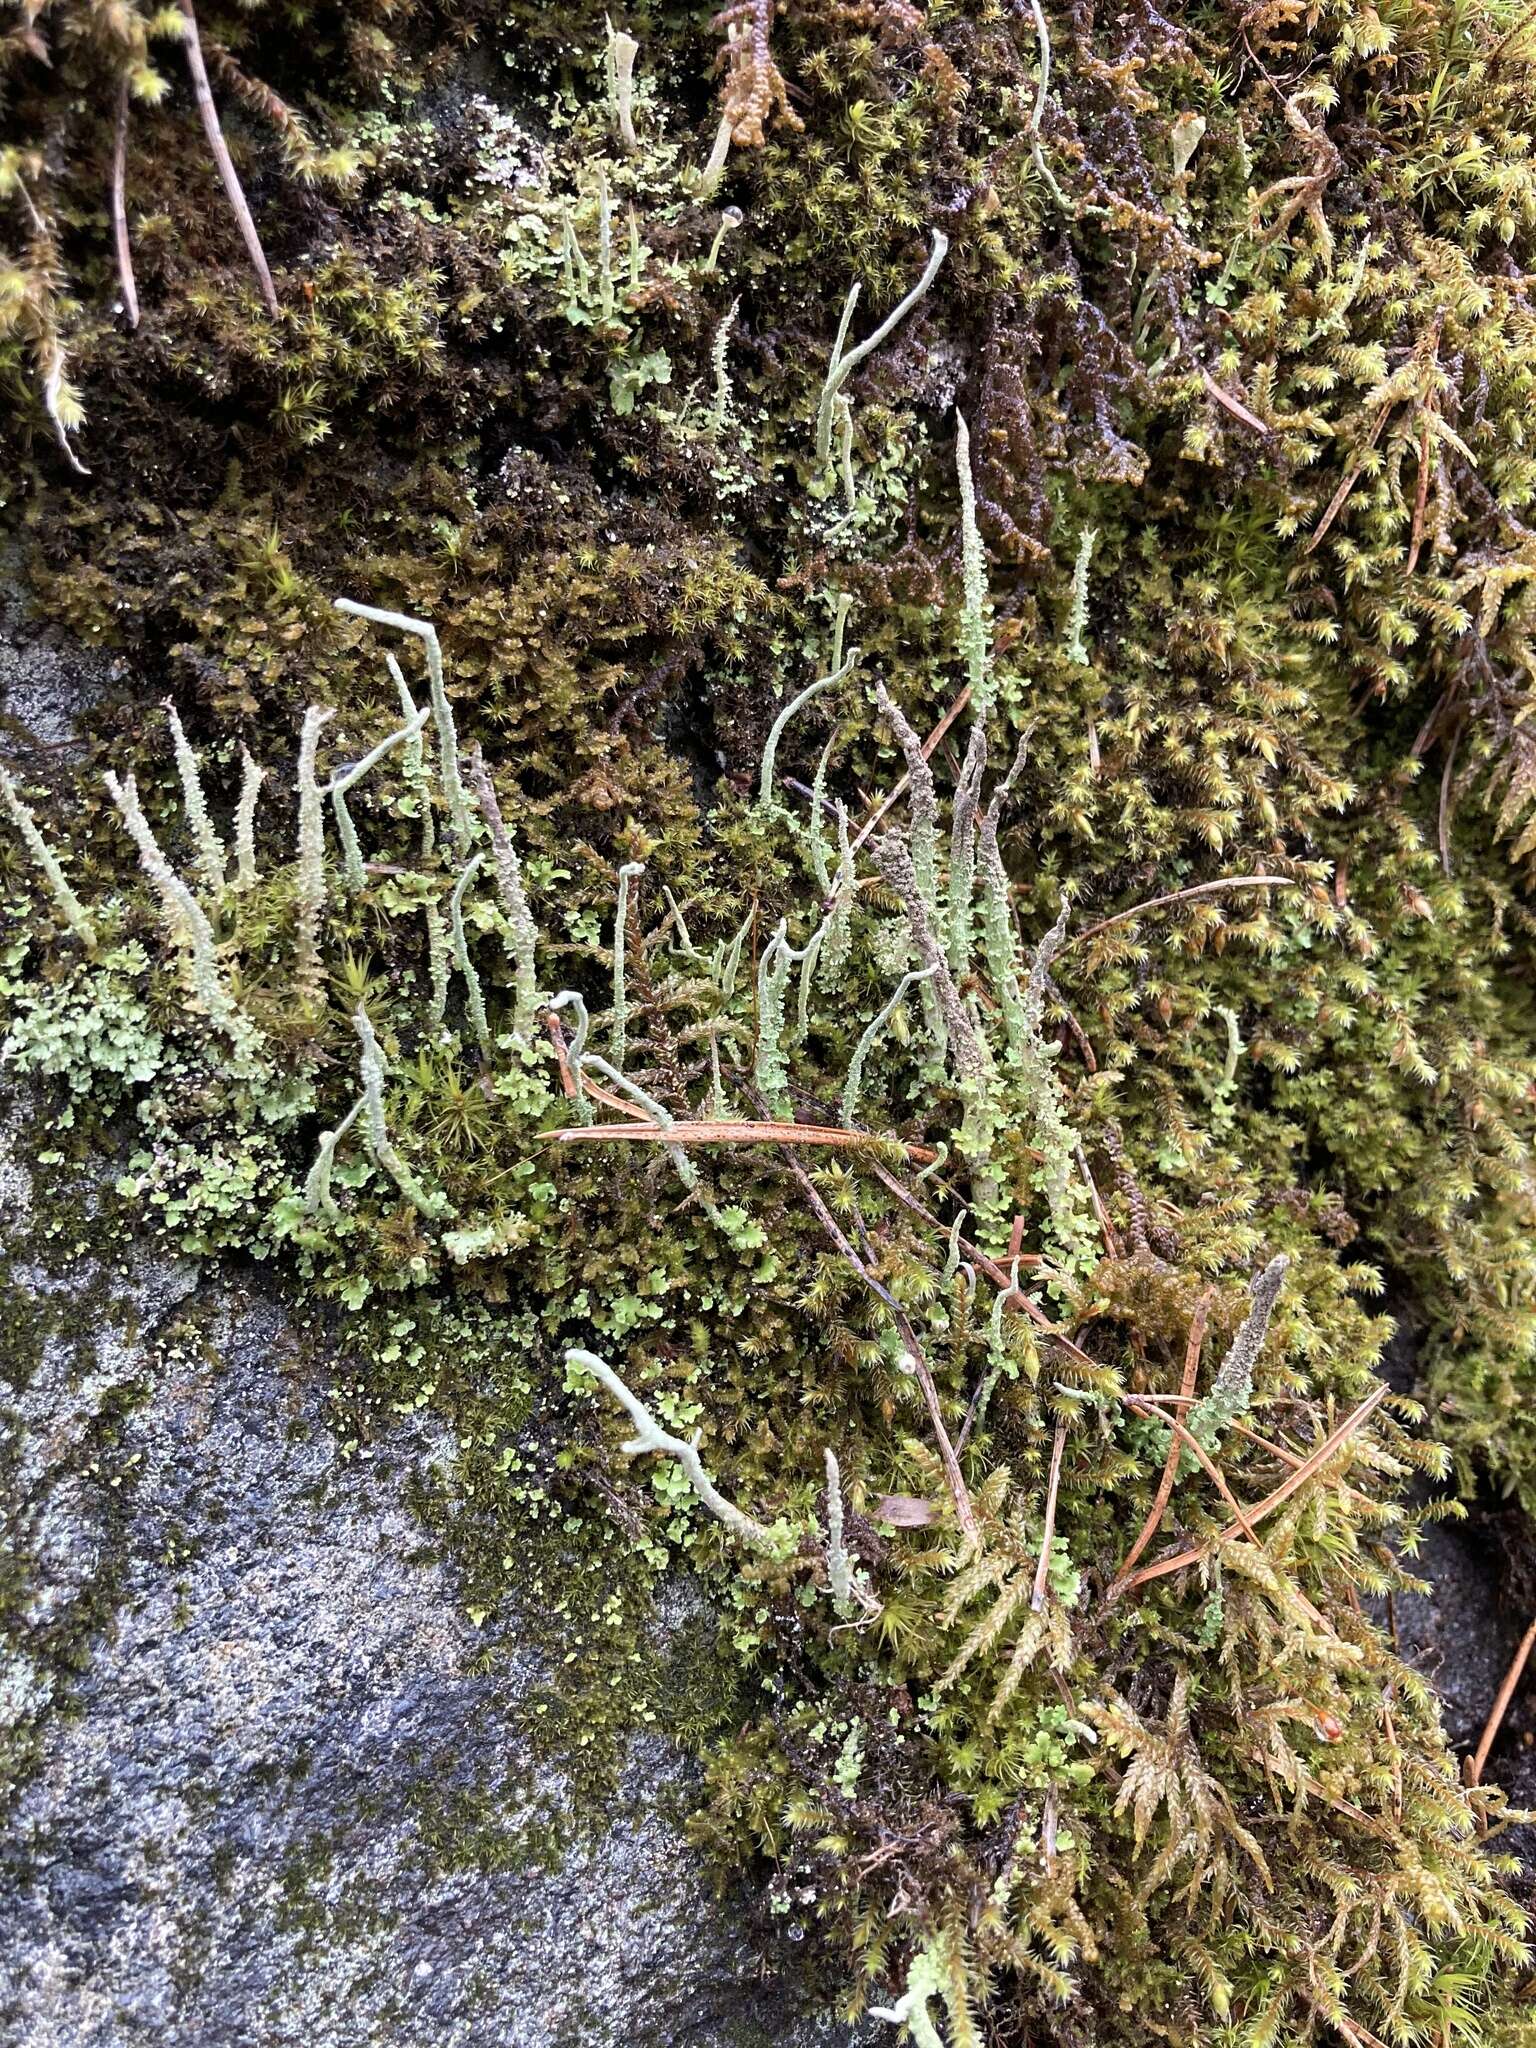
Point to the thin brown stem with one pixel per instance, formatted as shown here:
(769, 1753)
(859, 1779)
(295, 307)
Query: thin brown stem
(1420, 499)
(203, 93)
(959, 1493)
(119, 205)
(1015, 1298)
(1340, 497)
(1445, 801)
(1205, 1461)
(1180, 896)
(1473, 1773)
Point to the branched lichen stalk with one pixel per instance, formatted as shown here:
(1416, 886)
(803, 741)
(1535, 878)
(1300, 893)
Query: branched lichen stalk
(967, 1051)
(816, 843)
(842, 367)
(730, 958)
(765, 795)
(872, 1030)
(809, 957)
(1032, 1061)
(514, 900)
(839, 939)
(75, 914)
(720, 409)
(186, 922)
(318, 1200)
(569, 999)
(353, 872)
(771, 1069)
(415, 756)
(843, 413)
(354, 875)
(650, 1436)
(442, 710)
(999, 943)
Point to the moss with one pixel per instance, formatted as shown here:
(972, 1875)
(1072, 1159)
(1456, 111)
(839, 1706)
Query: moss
(1283, 376)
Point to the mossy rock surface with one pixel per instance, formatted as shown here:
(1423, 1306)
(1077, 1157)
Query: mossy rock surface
(1023, 1552)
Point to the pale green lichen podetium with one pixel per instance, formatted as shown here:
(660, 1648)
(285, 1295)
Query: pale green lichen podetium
(185, 921)
(308, 973)
(75, 914)
(629, 872)
(442, 711)
(371, 1066)
(650, 1436)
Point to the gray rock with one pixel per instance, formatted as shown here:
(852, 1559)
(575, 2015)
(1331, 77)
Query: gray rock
(47, 681)
(225, 1837)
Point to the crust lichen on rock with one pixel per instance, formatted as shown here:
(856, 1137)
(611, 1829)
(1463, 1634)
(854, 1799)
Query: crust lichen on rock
(814, 726)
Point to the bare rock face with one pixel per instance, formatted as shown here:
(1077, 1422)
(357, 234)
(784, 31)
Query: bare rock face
(283, 1802)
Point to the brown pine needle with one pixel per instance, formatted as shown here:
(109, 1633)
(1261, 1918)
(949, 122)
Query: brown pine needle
(1282, 1493)
(1205, 1461)
(1237, 410)
(568, 1079)
(1171, 1463)
(1473, 1773)
(729, 1132)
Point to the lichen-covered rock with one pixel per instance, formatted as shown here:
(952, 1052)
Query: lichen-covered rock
(285, 1800)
